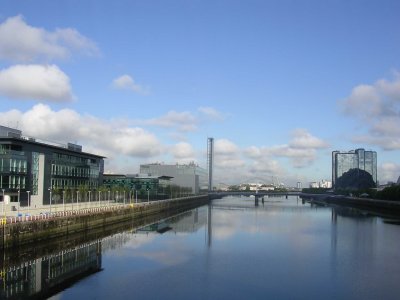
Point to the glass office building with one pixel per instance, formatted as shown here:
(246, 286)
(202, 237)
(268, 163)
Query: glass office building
(29, 167)
(343, 161)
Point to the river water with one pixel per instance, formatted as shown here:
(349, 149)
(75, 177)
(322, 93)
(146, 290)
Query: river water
(231, 249)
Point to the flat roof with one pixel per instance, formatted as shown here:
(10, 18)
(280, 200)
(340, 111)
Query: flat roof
(34, 142)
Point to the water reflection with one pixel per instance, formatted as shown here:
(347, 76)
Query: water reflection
(232, 248)
(44, 276)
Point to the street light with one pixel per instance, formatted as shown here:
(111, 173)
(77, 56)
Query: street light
(29, 200)
(77, 199)
(109, 196)
(4, 203)
(50, 199)
(89, 196)
(19, 202)
(99, 198)
(64, 200)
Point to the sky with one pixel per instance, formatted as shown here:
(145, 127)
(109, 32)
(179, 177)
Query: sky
(279, 84)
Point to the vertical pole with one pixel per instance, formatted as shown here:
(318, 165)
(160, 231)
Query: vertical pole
(29, 200)
(19, 199)
(4, 203)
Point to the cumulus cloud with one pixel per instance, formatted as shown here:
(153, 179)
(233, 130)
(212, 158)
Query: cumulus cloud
(227, 155)
(20, 42)
(126, 82)
(183, 152)
(302, 139)
(103, 137)
(211, 113)
(39, 82)
(301, 149)
(377, 107)
(183, 121)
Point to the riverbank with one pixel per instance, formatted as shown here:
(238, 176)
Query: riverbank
(86, 222)
(374, 205)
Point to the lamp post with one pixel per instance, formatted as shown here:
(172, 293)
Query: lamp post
(29, 200)
(89, 196)
(77, 199)
(124, 197)
(99, 198)
(50, 199)
(4, 203)
(64, 200)
(148, 195)
(19, 199)
(109, 196)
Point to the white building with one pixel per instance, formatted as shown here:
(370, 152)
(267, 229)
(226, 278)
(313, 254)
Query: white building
(326, 184)
(187, 175)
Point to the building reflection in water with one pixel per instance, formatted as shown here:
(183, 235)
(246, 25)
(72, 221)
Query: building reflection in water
(187, 222)
(45, 276)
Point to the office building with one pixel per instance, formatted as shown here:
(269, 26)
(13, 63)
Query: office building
(34, 169)
(137, 185)
(343, 161)
(189, 176)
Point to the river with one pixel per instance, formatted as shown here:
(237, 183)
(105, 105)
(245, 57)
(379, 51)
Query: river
(231, 249)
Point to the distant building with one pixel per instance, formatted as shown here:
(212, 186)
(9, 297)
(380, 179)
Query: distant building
(343, 161)
(34, 168)
(187, 175)
(323, 184)
(137, 185)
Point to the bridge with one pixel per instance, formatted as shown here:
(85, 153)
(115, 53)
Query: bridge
(257, 194)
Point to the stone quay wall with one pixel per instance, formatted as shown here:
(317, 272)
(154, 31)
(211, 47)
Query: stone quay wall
(82, 222)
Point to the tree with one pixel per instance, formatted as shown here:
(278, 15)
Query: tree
(355, 179)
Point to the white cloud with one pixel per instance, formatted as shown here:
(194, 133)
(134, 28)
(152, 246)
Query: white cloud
(301, 149)
(183, 121)
(39, 82)
(225, 147)
(183, 152)
(389, 172)
(304, 140)
(211, 113)
(126, 82)
(104, 137)
(227, 155)
(377, 108)
(20, 42)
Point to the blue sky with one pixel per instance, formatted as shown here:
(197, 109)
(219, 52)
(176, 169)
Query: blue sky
(278, 84)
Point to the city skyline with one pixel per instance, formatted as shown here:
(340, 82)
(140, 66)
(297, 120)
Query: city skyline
(279, 85)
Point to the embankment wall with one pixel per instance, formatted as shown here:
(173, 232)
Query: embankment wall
(23, 233)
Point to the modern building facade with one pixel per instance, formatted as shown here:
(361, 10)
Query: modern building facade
(137, 185)
(33, 169)
(343, 161)
(189, 176)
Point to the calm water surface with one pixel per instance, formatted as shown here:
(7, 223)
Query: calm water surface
(282, 249)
